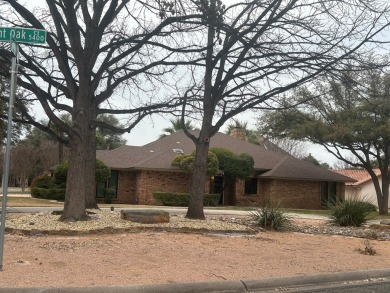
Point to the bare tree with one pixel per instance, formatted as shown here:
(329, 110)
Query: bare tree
(30, 159)
(258, 50)
(340, 165)
(23, 162)
(295, 148)
(96, 49)
(18, 129)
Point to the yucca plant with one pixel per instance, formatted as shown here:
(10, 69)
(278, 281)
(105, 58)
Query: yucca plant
(271, 217)
(350, 212)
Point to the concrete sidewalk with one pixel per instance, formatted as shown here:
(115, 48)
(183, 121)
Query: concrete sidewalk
(261, 285)
(16, 192)
(171, 210)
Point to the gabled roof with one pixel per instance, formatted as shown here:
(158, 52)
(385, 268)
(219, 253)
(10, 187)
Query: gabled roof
(360, 176)
(159, 154)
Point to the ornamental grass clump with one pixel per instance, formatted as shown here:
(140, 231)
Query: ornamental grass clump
(350, 212)
(271, 217)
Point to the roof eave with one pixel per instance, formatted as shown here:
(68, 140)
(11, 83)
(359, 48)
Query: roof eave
(303, 179)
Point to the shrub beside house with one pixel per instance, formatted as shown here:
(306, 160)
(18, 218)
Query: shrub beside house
(54, 187)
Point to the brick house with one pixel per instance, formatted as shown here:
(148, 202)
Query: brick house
(138, 171)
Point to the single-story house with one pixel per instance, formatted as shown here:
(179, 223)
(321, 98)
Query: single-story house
(363, 188)
(138, 171)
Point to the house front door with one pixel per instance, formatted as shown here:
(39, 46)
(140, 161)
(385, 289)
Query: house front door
(230, 194)
(218, 187)
(227, 191)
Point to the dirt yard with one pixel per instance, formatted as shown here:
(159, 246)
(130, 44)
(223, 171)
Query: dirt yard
(152, 258)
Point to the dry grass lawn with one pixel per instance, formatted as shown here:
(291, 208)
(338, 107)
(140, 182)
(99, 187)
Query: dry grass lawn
(15, 201)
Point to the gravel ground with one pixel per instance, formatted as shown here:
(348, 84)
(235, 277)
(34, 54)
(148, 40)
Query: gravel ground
(110, 222)
(369, 232)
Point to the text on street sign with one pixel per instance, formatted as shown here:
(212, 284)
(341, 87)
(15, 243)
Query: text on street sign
(22, 35)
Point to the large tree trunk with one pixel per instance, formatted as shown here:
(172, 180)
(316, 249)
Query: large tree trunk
(202, 144)
(81, 167)
(76, 183)
(383, 201)
(90, 197)
(60, 149)
(198, 179)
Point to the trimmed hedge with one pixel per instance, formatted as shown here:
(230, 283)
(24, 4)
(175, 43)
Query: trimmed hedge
(182, 199)
(53, 194)
(42, 182)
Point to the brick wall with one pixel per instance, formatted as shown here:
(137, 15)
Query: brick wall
(127, 187)
(137, 187)
(157, 181)
(252, 200)
(292, 193)
(296, 193)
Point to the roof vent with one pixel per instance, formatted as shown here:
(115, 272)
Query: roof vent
(151, 151)
(178, 151)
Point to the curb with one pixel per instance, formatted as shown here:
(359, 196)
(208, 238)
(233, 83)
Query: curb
(323, 279)
(221, 286)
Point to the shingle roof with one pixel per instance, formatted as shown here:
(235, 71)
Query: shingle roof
(292, 168)
(361, 176)
(159, 154)
(124, 157)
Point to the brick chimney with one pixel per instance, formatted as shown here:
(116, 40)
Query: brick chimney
(238, 132)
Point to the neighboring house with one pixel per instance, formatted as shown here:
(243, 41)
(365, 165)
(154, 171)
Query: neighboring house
(363, 188)
(138, 171)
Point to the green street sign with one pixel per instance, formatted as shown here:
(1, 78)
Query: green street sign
(22, 35)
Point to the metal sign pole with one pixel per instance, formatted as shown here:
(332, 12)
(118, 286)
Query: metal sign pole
(14, 71)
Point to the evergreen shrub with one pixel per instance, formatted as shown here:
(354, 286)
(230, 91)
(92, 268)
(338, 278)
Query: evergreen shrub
(60, 174)
(52, 193)
(42, 182)
(182, 199)
(102, 173)
(109, 194)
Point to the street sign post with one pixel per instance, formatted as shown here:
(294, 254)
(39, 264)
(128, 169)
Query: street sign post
(14, 35)
(14, 71)
(22, 35)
